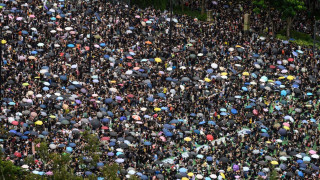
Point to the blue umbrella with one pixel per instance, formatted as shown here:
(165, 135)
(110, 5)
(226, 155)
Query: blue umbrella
(69, 149)
(53, 18)
(196, 131)
(210, 71)
(70, 45)
(24, 32)
(265, 135)
(63, 77)
(212, 123)
(150, 99)
(202, 122)
(168, 134)
(174, 121)
(234, 111)
(88, 173)
(256, 55)
(45, 133)
(244, 88)
(295, 53)
(223, 114)
(100, 164)
(13, 131)
(102, 44)
(147, 143)
(110, 113)
(183, 170)
(108, 100)
(209, 158)
(193, 114)
(261, 173)
(283, 93)
(34, 52)
(300, 173)
(161, 95)
(122, 118)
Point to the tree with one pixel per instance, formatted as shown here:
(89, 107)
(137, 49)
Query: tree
(265, 6)
(202, 6)
(110, 171)
(274, 175)
(289, 10)
(9, 171)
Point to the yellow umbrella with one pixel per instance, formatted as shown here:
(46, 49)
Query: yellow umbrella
(245, 73)
(268, 142)
(157, 109)
(38, 123)
(184, 178)
(187, 139)
(3, 41)
(274, 162)
(207, 79)
(25, 84)
(38, 77)
(238, 46)
(190, 174)
(270, 80)
(113, 81)
(290, 78)
(224, 74)
(52, 116)
(222, 175)
(158, 60)
(286, 128)
(281, 77)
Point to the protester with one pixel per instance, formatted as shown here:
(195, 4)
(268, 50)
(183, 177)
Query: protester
(212, 103)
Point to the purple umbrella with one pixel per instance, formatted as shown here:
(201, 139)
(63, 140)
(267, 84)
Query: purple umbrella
(119, 98)
(83, 90)
(78, 101)
(110, 154)
(236, 167)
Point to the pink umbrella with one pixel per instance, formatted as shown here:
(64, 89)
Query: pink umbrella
(136, 68)
(286, 124)
(163, 138)
(105, 138)
(72, 32)
(49, 173)
(32, 16)
(255, 112)
(33, 114)
(137, 16)
(19, 18)
(15, 123)
(312, 152)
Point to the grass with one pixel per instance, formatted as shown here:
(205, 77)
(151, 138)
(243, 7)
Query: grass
(301, 39)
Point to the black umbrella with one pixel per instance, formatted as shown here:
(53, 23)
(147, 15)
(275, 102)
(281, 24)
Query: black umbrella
(224, 160)
(95, 124)
(282, 132)
(113, 134)
(123, 145)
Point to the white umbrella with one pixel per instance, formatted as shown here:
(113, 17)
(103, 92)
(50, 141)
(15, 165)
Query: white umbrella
(214, 65)
(53, 31)
(57, 45)
(231, 49)
(39, 95)
(128, 31)
(113, 90)
(199, 176)
(129, 72)
(40, 44)
(68, 28)
(132, 172)
(25, 166)
(315, 156)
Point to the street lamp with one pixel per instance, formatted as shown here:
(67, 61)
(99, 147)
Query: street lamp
(170, 30)
(316, 23)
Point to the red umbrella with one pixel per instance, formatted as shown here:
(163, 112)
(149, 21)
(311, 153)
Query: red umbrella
(272, 66)
(105, 138)
(290, 59)
(210, 137)
(104, 127)
(17, 154)
(255, 112)
(15, 123)
(130, 96)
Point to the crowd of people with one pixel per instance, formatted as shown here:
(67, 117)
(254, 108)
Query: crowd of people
(212, 102)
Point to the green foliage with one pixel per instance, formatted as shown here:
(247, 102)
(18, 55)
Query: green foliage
(110, 171)
(274, 175)
(301, 39)
(9, 171)
(192, 13)
(289, 8)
